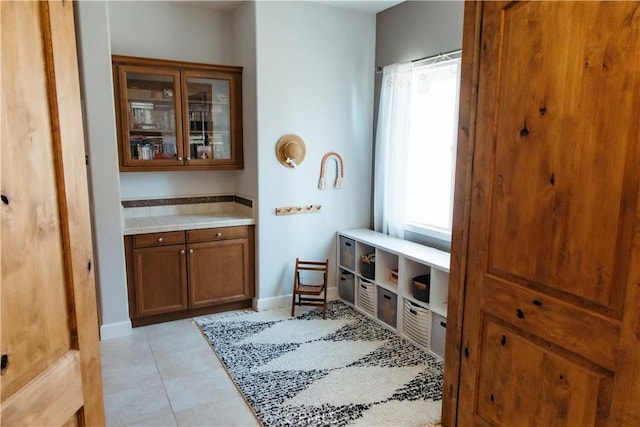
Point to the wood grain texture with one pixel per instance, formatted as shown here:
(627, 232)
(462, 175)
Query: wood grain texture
(50, 398)
(462, 202)
(168, 281)
(179, 71)
(218, 272)
(160, 279)
(577, 132)
(552, 260)
(158, 239)
(515, 369)
(73, 195)
(217, 233)
(35, 326)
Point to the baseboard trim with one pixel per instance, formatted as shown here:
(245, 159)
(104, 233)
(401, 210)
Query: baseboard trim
(261, 304)
(115, 330)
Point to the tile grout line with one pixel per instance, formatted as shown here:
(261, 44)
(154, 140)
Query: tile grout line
(164, 387)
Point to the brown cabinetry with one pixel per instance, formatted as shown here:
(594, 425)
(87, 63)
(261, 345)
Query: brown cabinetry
(186, 273)
(177, 115)
(218, 265)
(160, 266)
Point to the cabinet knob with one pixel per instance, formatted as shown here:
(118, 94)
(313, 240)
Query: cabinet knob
(190, 251)
(179, 159)
(160, 239)
(188, 158)
(182, 251)
(218, 234)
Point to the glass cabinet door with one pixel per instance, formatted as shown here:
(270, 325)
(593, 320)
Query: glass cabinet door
(208, 128)
(152, 125)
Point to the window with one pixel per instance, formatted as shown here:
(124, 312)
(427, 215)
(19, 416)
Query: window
(432, 148)
(415, 147)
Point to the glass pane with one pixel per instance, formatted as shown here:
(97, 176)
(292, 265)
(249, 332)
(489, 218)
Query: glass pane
(209, 119)
(152, 117)
(432, 146)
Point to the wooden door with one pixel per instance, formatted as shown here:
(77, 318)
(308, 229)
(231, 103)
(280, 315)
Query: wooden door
(218, 272)
(160, 279)
(49, 320)
(551, 210)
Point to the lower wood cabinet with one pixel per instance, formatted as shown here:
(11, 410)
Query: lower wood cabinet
(189, 273)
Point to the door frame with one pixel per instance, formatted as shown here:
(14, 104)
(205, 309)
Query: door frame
(461, 208)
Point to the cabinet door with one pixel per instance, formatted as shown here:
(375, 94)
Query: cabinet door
(212, 122)
(218, 272)
(150, 129)
(160, 279)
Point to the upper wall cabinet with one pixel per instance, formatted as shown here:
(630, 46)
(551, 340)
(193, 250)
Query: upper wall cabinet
(177, 115)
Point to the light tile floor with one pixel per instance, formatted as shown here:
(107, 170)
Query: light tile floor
(168, 375)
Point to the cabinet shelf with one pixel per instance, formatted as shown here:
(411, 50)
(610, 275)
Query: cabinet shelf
(163, 101)
(180, 99)
(407, 261)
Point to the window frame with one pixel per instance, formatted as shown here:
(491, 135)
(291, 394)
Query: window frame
(425, 230)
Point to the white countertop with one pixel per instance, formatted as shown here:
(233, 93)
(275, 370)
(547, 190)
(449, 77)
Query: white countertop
(156, 224)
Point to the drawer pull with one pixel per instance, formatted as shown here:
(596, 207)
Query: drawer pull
(160, 239)
(347, 244)
(190, 251)
(188, 158)
(412, 311)
(444, 325)
(386, 296)
(182, 251)
(537, 302)
(179, 159)
(218, 234)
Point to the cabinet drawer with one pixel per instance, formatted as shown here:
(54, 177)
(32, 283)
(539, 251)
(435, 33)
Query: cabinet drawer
(219, 233)
(158, 239)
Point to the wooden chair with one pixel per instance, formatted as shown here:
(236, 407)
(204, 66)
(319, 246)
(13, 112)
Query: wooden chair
(311, 285)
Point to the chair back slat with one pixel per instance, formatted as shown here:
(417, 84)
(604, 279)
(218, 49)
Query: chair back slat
(306, 291)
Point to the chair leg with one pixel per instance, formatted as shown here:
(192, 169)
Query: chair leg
(324, 307)
(293, 304)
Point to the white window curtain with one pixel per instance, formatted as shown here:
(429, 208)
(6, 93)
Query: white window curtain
(392, 137)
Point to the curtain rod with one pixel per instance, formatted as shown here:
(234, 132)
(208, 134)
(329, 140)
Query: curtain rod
(438, 55)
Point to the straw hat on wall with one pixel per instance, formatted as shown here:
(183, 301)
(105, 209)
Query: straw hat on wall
(291, 150)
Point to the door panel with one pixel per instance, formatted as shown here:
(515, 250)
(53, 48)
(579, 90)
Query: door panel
(160, 279)
(550, 326)
(558, 111)
(49, 331)
(510, 364)
(218, 272)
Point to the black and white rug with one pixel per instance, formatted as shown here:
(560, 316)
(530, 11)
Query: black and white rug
(345, 370)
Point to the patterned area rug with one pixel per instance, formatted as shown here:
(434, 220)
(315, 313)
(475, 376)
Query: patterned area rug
(345, 370)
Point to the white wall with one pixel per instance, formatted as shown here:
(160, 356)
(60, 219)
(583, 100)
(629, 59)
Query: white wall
(308, 69)
(170, 30)
(244, 51)
(100, 135)
(181, 32)
(315, 71)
